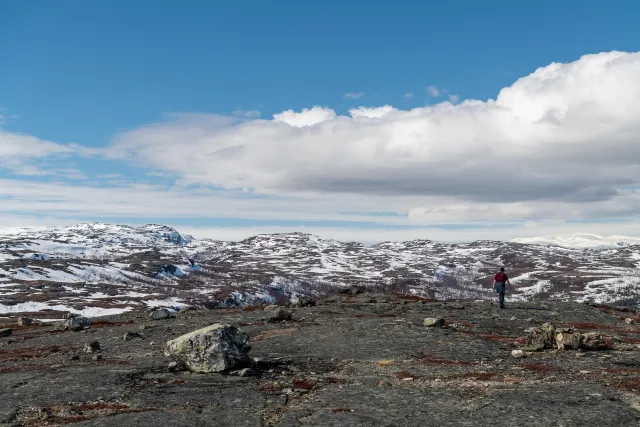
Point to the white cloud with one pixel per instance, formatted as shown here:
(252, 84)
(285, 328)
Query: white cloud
(454, 98)
(433, 91)
(408, 95)
(354, 95)
(307, 117)
(561, 143)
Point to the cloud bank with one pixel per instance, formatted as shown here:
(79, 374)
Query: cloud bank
(561, 143)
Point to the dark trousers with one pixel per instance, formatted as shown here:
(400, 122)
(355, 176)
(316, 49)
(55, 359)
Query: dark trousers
(500, 288)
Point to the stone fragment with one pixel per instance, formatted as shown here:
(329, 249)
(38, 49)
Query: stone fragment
(131, 335)
(629, 321)
(593, 341)
(517, 354)
(5, 332)
(92, 347)
(24, 321)
(433, 321)
(160, 314)
(280, 315)
(216, 348)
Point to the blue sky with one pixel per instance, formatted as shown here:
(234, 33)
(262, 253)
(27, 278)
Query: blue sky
(121, 90)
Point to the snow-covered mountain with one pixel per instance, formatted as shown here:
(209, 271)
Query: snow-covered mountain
(99, 268)
(580, 241)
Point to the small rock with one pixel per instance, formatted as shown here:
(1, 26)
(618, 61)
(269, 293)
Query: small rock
(568, 341)
(517, 354)
(75, 357)
(160, 314)
(5, 332)
(530, 319)
(92, 347)
(270, 307)
(131, 335)
(24, 321)
(433, 321)
(97, 357)
(513, 318)
(384, 384)
(280, 315)
(173, 366)
(629, 321)
(71, 315)
(142, 327)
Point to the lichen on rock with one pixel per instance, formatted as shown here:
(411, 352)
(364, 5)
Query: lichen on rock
(216, 348)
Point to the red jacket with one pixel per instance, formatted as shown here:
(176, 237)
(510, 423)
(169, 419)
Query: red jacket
(501, 277)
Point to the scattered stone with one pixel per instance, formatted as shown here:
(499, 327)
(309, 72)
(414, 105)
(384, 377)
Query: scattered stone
(25, 321)
(280, 315)
(384, 384)
(530, 319)
(160, 314)
(174, 366)
(541, 338)
(629, 321)
(71, 315)
(215, 348)
(433, 321)
(131, 335)
(5, 332)
(517, 353)
(75, 357)
(74, 323)
(92, 347)
(97, 357)
(513, 318)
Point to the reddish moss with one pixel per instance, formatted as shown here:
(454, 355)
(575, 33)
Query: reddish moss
(479, 376)
(302, 384)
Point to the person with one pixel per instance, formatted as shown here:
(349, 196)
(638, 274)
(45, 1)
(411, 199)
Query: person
(499, 283)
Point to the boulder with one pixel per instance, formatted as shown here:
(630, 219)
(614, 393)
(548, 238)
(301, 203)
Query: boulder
(629, 321)
(541, 337)
(160, 313)
(5, 332)
(433, 321)
(568, 340)
(74, 323)
(215, 348)
(280, 315)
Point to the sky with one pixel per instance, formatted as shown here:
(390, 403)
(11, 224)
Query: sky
(365, 121)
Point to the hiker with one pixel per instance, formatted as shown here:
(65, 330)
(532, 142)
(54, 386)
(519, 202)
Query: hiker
(499, 283)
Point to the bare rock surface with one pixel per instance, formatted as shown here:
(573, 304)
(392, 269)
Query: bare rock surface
(351, 360)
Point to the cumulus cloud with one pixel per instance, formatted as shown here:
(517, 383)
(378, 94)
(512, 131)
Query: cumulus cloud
(454, 98)
(307, 117)
(433, 91)
(354, 95)
(565, 133)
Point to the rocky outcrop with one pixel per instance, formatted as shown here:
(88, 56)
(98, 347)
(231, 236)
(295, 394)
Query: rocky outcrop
(215, 348)
(160, 313)
(541, 338)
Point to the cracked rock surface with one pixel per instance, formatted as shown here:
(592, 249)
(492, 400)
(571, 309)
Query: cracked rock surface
(349, 360)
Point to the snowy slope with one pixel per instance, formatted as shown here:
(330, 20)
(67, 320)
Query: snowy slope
(581, 241)
(105, 268)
